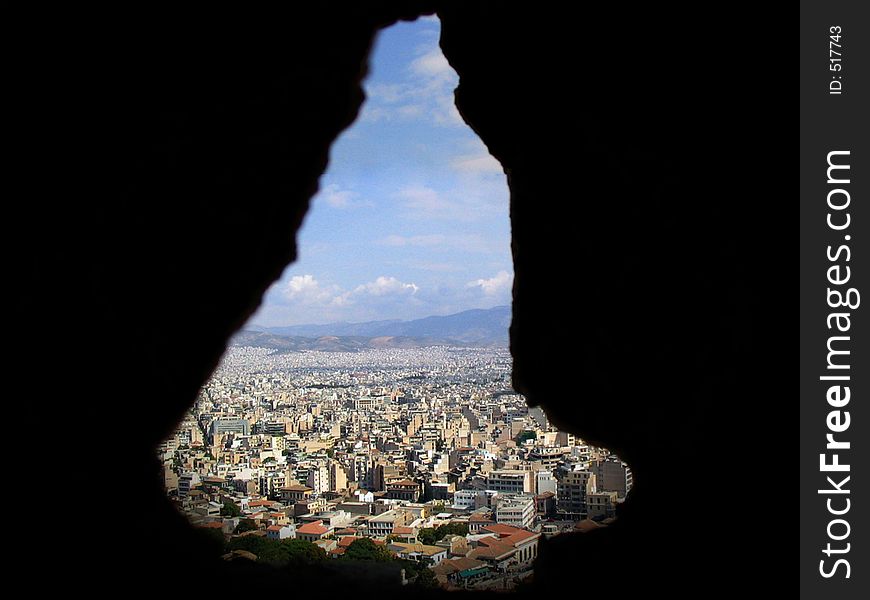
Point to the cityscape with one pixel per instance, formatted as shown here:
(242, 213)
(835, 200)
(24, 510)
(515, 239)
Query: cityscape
(421, 456)
(390, 434)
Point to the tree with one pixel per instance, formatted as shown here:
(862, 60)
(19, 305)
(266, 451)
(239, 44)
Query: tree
(230, 509)
(427, 536)
(411, 567)
(451, 529)
(245, 525)
(251, 543)
(426, 578)
(366, 549)
(302, 553)
(525, 435)
(267, 551)
(418, 573)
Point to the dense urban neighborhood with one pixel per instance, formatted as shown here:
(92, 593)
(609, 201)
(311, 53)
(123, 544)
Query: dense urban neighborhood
(424, 456)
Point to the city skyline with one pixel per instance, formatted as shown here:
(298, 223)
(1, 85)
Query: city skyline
(424, 459)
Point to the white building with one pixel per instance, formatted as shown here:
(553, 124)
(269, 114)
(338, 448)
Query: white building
(466, 499)
(518, 511)
(318, 479)
(509, 481)
(545, 482)
(281, 532)
(382, 525)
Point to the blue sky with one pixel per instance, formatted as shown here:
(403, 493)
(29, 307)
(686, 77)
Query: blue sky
(412, 215)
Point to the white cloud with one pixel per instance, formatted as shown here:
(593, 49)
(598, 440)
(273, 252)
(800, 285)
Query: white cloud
(445, 111)
(420, 241)
(389, 93)
(425, 93)
(384, 286)
(303, 299)
(424, 200)
(464, 242)
(305, 289)
(494, 286)
(483, 164)
(432, 65)
(336, 197)
(410, 111)
(437, 267)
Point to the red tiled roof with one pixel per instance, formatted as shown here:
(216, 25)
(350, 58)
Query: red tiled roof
(478, 518)
(510, 534)
(347, 541)
(402, 530)
(213, 525)
(315, 528)
(453, 565)
(502, 529)
(521, 536)
(402, 482)
(493, 548)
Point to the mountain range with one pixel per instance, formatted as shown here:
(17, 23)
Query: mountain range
(477, 327)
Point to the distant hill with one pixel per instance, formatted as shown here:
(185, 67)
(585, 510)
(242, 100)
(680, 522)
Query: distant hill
(476, 327)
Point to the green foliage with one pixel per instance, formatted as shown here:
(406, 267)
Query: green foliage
(426, 579)
(366, 549)
(230, 509)
(251, 543)
(525, 435)
(301, 553)
(429, 535)
(411, 567)
(418, 573)
(279, 553)
(451, 529)
(245, 525)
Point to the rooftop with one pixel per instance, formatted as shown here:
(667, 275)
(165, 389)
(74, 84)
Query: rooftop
(315, 528)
